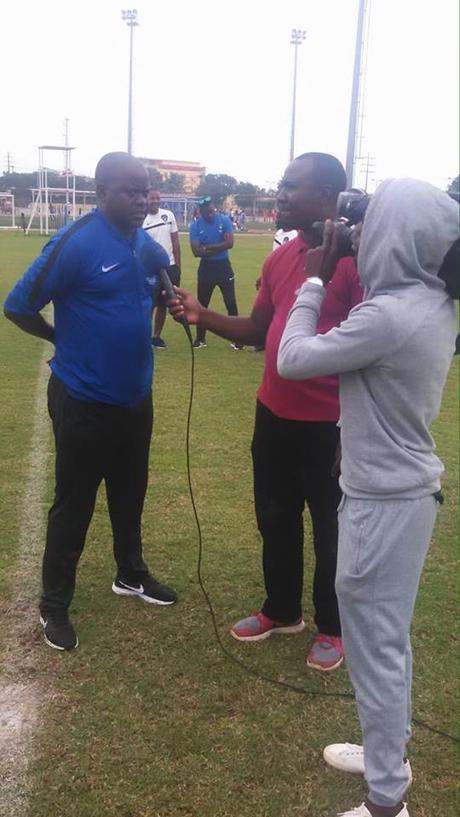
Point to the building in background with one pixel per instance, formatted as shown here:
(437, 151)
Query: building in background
(192, 172)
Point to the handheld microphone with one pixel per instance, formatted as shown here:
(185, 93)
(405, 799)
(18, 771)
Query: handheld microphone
(171, 295)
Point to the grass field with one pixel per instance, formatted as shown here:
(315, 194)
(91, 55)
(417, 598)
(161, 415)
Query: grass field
(148, 718)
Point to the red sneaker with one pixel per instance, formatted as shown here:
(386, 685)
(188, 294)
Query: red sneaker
(326, 653)
(257, 627)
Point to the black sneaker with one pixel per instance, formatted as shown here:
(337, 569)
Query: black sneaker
(59, 631)
(199, 344)
(148, 590)
(158, 343)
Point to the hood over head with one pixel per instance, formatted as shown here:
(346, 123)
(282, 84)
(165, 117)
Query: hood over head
(408, 229)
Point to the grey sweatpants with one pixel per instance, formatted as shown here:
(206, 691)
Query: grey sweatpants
(382, 548)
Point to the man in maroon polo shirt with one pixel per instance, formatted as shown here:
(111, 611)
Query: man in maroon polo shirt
(295, 435)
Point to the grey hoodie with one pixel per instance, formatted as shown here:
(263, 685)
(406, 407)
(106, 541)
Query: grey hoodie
(394, 350)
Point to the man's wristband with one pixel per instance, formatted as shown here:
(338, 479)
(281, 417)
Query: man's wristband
(314, 279)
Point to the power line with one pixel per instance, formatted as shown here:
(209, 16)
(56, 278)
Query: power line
(9, 163)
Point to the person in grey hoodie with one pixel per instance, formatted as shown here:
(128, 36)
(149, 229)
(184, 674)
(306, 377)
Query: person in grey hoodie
(392, 354)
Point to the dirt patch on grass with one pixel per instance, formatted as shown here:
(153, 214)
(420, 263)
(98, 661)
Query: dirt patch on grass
(19, 707)
(22, 691)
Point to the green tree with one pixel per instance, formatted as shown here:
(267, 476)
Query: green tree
(21, 183)
(155, 178)
(174, 183)
(454, 186)
(246, 193)
(218, 186)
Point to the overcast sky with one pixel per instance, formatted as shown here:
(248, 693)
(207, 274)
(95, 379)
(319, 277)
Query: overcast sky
(213, 84)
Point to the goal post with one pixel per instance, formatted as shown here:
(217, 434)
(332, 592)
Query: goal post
(7, 212)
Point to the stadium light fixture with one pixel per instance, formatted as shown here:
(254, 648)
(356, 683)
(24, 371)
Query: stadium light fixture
(298, 35)
(130, 18)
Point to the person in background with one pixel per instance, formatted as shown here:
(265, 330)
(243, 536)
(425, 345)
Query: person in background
(282, 236)
(161, 226)
(211, 238)
(102, 274)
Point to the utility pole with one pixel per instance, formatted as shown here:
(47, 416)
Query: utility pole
(130, 16)
(297, 37)
(66, 167)
(367, 166)
(351, 146)
(9, 164)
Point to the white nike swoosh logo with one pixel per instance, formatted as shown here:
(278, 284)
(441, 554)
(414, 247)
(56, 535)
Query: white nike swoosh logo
(107, 269)
(139, 589)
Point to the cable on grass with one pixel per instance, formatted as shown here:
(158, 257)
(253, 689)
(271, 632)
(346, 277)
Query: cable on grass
(301, 690)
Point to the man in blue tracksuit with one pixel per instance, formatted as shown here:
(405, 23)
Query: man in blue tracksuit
(102, 275)
(211, 237)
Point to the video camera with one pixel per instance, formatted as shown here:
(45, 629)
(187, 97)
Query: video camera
(351, 207)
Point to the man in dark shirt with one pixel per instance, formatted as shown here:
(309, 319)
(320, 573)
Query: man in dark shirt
(102, 275)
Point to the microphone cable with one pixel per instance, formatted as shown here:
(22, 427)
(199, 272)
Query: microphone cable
(242, 665)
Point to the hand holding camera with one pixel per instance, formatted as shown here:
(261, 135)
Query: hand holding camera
(320, 262)
(351, 208)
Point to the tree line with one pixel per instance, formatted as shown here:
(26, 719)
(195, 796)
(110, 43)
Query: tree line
(216, 185)
(21, 183)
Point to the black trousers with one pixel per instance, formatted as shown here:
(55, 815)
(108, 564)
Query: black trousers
(212, 274)
(94, 442)
(292, 463)
(174, 274)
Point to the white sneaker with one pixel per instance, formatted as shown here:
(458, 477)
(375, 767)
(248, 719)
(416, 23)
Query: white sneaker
(349, 757)
(363, 811)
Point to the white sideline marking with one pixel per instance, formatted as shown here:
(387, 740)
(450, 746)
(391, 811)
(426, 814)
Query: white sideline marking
(21, 695)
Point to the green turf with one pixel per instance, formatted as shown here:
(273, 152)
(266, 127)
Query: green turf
(147, 718)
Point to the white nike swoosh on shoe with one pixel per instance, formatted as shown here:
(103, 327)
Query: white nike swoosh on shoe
(111, 266)
(139, 589)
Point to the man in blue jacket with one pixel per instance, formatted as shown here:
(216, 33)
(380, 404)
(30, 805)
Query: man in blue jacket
(102, 275)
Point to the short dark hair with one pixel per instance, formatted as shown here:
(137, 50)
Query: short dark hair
(108, 167)
(328, 171)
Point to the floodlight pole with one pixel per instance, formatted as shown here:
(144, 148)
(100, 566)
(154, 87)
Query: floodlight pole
(352, 124)
(130, 16)
(297, 37)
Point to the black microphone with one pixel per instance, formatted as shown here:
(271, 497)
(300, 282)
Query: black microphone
(171, 296)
